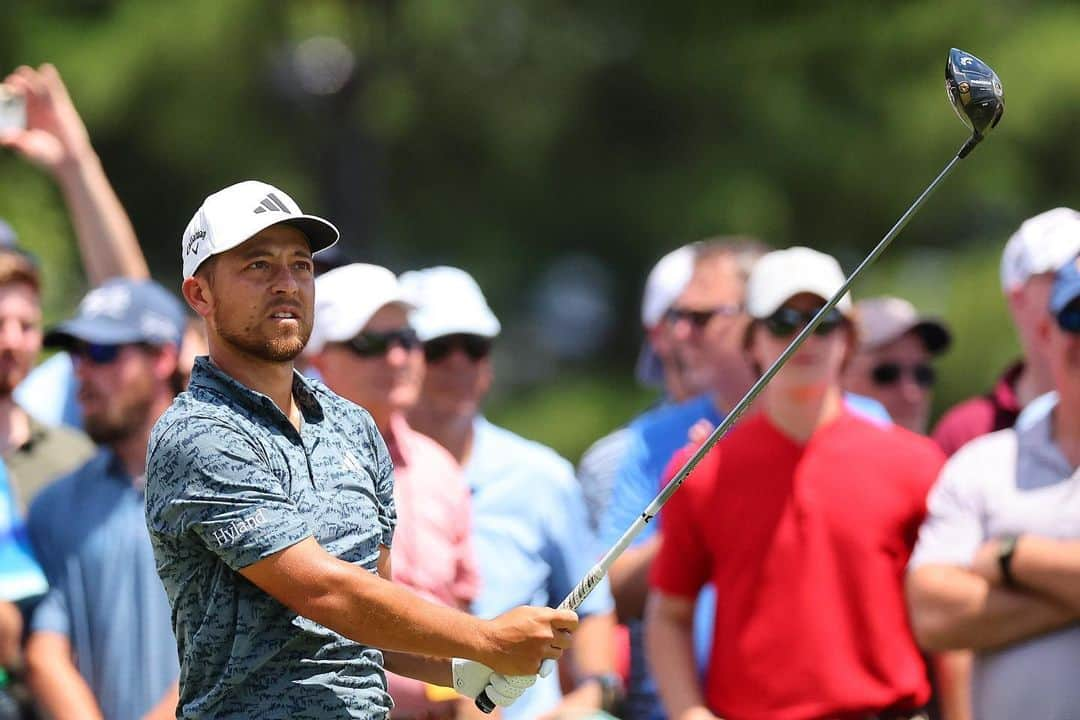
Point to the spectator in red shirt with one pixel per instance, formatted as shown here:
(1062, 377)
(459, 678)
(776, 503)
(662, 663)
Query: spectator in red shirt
(1033, 254)
(803, 517)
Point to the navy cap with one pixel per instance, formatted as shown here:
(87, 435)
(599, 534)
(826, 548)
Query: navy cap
(1066, 286)
(122, 312)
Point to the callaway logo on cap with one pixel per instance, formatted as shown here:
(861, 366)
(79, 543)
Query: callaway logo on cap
(230, 216)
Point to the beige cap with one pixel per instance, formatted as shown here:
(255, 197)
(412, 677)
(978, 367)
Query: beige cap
(884, 319)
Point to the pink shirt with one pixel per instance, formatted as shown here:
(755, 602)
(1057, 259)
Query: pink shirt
(432, 553)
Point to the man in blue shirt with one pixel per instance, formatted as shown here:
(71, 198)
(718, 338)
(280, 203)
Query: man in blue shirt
(105, 618)
(271, 511)
(530, 529)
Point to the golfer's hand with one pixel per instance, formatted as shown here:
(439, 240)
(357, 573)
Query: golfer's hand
(472, 678)
(521, 639)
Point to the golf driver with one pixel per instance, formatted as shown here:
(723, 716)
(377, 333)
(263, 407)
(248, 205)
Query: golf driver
(975, 93)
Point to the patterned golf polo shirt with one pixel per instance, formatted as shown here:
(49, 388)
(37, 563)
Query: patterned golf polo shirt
(230, 481)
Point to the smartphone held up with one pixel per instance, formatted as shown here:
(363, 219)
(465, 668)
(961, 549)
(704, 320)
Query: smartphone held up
(12, 110)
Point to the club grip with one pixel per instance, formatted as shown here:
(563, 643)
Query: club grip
(484, 703)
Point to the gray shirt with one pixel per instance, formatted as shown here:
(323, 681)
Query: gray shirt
(1010, 482)
(229, 482)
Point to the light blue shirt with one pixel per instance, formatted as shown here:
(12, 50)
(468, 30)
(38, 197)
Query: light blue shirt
(88, 531)
(20, 575)
(49, 392)
(654, 438)
(531, 538)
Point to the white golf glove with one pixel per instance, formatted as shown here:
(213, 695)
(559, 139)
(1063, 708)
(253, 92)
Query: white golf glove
(471, 678)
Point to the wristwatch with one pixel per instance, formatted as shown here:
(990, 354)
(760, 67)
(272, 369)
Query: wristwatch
(611, 690)
(1006, 549)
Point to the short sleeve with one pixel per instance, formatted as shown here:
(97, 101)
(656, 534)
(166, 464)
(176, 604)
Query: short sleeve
(683, 563)
(211, 481)
(953, 530)
(631, 492)
(51, 613)
(384, 485)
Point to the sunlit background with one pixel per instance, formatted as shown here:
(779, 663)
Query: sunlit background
(556, 149)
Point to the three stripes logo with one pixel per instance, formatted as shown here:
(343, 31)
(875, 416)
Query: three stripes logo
(272, 203)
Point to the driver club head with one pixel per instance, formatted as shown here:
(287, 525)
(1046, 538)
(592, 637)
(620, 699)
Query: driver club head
(974, 91)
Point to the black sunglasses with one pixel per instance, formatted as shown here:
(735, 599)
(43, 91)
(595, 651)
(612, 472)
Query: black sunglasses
(889, 373)
(95, 353)
(786, 321)
(700, 318)
(1069, 319)
(477, 347)
(376, 344)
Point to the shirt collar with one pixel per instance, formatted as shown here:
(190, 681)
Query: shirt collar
(399, 437)
(207, 376)
(1004, 392)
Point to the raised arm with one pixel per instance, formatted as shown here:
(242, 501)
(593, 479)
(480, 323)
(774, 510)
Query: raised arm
(56, 140)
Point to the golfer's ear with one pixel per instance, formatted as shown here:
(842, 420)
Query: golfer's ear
(199, 295)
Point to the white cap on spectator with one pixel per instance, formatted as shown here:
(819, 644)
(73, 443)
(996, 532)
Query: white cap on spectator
(448, 302)
(884, 319)
(347, 297)
(782, 274)
(663, 286)
(666, 281)
(232, 215)
(1042, 245)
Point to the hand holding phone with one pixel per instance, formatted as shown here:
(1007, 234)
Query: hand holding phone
(12, 110)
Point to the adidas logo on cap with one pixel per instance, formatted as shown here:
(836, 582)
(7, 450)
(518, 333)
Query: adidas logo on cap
(231, 216)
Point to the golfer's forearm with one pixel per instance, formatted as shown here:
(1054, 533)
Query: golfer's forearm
(434, 671)
(375, 612)
(55, 681)
(954, 609)
(1051, 567)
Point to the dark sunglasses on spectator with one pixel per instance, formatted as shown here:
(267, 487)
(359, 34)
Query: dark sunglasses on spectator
(700, 318)
(477, 347)
(95, 353)
(1069, 319)
(786, 321)
(889, 373)
(376, 344)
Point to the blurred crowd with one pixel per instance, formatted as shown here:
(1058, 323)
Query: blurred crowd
(832, 556)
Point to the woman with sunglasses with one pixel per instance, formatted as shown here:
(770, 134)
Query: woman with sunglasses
(893, 362)
(803, 516)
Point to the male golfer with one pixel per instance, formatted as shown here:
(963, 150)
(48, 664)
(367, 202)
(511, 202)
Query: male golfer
(270, 507)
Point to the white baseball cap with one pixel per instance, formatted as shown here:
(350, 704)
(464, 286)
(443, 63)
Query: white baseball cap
(884, 319)
(782, 274)
(663, 286)
(1043, 244)
(665, 283)
(232, 215)
(448, 301)
(347, 297)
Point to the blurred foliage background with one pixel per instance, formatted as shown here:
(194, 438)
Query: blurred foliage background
(557, 149)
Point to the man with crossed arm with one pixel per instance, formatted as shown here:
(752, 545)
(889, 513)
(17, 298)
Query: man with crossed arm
(270, 507)
(997, 565)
